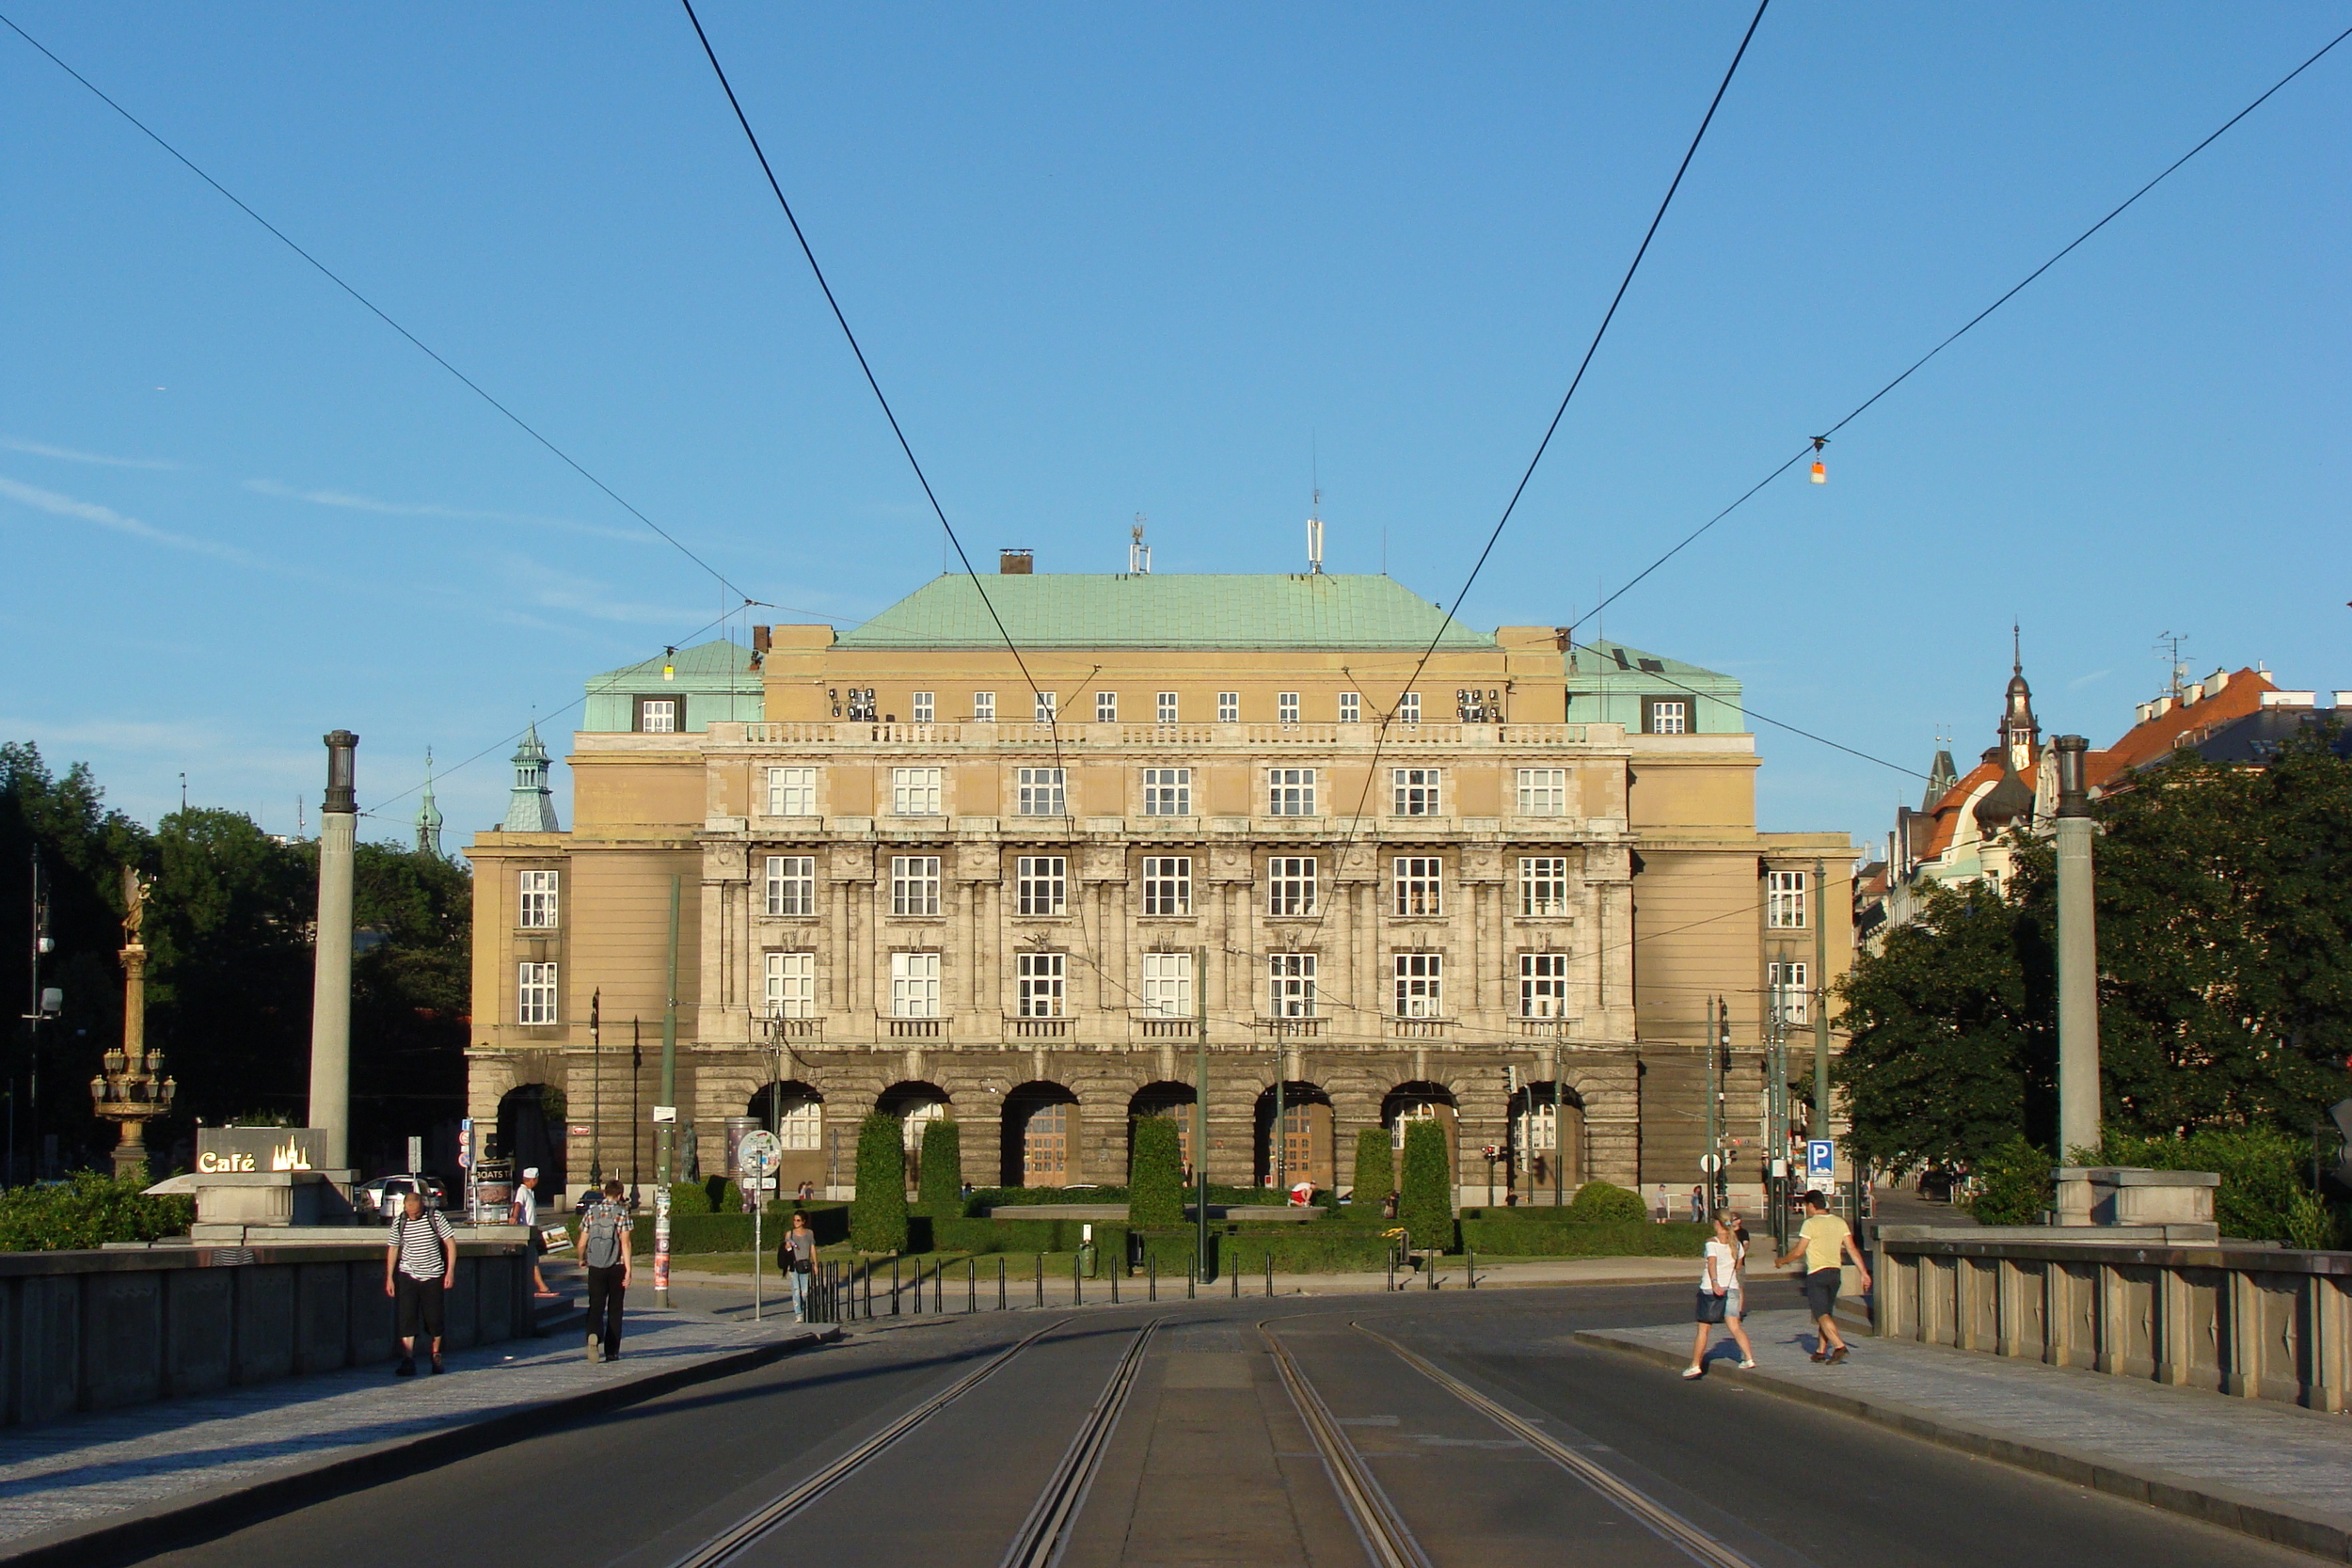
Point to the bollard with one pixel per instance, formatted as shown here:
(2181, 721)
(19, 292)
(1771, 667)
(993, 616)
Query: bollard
(917, 1309)
(1192, 1277)
(1000, 1282)
(869, 1272)
(1078, 1281)
(1151, 1273)
(1040, 1280)
(894, 1284)
(970, 1285)
(1469, 1269)
(1434, 1259)
(1270, 1270)
(939, 1287)
(1235, 1275)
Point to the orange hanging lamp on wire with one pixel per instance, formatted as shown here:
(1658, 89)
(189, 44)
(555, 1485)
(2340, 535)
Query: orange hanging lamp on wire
(1820, 473)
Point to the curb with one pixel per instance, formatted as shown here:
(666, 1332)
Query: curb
(135, 1534)
(2266, 1519)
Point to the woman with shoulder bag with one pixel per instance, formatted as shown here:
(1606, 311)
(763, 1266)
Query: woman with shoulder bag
(796, 1253)
(1721, 1300)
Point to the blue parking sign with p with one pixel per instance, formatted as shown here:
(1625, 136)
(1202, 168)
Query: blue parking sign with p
(1820, 1157)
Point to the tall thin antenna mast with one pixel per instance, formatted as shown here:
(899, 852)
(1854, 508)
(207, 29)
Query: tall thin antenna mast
(1315, 536)
(2169, 643)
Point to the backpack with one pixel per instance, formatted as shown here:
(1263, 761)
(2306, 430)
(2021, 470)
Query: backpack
(600, 1238)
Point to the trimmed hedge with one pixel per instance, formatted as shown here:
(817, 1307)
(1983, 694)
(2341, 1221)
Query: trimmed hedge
(1500, 1238)
(878, 1216)
(1375, 1168)
(985, 1198)
(89, 1211)
(941, 1193)
(1301, 1250)
(1426, 1209)
(1156, 1178)
(1600, 1203)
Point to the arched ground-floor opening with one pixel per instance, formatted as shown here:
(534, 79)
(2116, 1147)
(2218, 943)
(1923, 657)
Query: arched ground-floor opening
(1304, 1150)
(530, 1138)
(1423, 1100)
(795, 1112)
(1547, 1143)
(1163, 1098)
(916, 1105)
(1040, 1136)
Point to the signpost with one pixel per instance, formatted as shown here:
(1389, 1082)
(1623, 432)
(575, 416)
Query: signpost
(1821, 1165)
(757, 1156)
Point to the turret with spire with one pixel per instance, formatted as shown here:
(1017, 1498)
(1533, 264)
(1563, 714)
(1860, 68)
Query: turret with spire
(531, 808)
(2010, 799)
(428, 815)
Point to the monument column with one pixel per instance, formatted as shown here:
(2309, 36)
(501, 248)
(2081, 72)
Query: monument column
(330, 997)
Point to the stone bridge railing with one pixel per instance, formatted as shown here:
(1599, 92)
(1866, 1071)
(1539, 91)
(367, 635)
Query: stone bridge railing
(2258, 1321)
(98, 1330)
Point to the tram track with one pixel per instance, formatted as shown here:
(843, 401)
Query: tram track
(1387, 1540)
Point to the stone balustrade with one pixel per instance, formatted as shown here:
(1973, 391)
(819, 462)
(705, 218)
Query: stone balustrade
(2237, 1318)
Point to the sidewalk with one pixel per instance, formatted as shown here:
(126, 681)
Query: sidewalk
(2274, 1471)
(120, 1475)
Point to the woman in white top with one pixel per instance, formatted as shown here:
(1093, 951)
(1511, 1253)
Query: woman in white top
(1721, 1299)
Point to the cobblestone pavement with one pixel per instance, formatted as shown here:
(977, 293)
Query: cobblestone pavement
(88, 1466)
(2296, 1457)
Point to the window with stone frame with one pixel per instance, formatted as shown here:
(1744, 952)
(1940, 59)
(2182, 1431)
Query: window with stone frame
(1351, 708)
(913, 985)
(1040, 792)
(1168, 884)
(1543, 791)
(1291, 985)
(914, 884)
(1106, 707)
(788, 987)
(1413, 792)
(915, 791)
(1167, 707)
(1290, 792)
(1783, 900)
(1168, 792)
(1543, 886)
(791, 884)
(1038, 982)
(1229, 707)
(1543, 985)
(535, 994)
(1168, 984)
(1420, 883)
(1290, 885)
(792, 792)
(1041, 884)
(538, 908)
(1785, 990)
(1420, 985)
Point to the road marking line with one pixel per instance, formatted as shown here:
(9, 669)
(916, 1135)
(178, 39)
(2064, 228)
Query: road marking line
(1386, 1539)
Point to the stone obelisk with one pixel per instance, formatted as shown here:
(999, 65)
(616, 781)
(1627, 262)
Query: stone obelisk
(330, 1000)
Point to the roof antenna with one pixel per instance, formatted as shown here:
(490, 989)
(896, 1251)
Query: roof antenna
(1139, 553)
(1314, 535)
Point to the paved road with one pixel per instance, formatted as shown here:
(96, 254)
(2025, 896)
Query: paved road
(1191, 1446)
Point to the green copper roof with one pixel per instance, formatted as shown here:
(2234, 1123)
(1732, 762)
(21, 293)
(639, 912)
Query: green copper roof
(718, 658)
(715, 680)
(1071, 609)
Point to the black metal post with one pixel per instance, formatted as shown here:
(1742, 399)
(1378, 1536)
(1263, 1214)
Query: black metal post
(970, 1285)
(1000, 1282)
(1040, 1280)
(1470, 1271)
(1270, 1270)
(894, 1284)
(1078, 1281)
(1151, 1273)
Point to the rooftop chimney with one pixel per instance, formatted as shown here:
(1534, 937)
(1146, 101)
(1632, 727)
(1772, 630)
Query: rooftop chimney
(759, 639)
(1013, 564)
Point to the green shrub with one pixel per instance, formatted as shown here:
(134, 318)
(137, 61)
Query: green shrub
(1376, 1167)
(878, 1215)
(1156, 1178)
(1307, 1248)
(1571, 1238)
(1426, 1209)
(1600, 1203)
(726, 1198)
(689, 1197)
(90, 1210)
(2264, 1196)
(941, 1193)
(2012, 1184)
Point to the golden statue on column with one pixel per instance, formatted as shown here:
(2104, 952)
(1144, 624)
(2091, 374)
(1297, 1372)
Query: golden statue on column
(133, 1090)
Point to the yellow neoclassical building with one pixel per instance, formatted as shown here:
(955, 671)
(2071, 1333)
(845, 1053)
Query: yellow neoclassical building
(911, 871)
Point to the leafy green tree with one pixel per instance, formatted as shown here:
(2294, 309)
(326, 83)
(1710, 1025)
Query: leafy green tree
(1376, 1166)
(2012, 1184)
(89, 1210)
(1426, 1205)
(941, 1195)
(878, 1215)
(411, 995)
(1155, 1176)
(1952, 1050)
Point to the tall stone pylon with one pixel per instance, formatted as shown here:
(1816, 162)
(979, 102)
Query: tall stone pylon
(330, 996)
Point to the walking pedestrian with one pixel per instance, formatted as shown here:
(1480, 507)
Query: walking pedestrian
(1698, 1205)
(420, 1270)
(1660, 1212)
(798, 1254)
(1722, 1299)
(604, 1252)
(1823, 1240)
(803, 1192)
(526, 1213)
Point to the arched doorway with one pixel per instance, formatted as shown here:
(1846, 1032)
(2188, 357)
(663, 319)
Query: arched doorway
(916, 1105)
(1423, 1100)
(1546, 1154)
(1306, 1146)
(795, 1112)
(531, 1137)
(1172, 1101)
(1040, 1136)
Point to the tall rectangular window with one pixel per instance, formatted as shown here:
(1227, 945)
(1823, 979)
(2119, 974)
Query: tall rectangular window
(1106, 707)
(1351, 708)
(1291, 985)
(537, 910)
(1039, 792)
(1421, 984)
(924, 708)
(914, 792)
(1048, 705)
(1286, 706)
(1420, 884)
(1543, 791)
(1041, 884)
(914, 884)
(1783, 900)
(984, 707)
(1543, 985)
(1167, 707)
(1290, 885)
(790, 988)
(791, 792)
(1414, 791)
(1229, 707)
(1038, 981)
(1409, 708)
(534, 994)
(913, 985)
(1290, 791)
(1785, 988)
(1168, 984)
(1168, 792)
(802, 1125)
(1543, 885)
(1168, 884)
(791, 884)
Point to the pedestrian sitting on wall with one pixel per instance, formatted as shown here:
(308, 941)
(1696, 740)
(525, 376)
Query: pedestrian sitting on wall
(420, 1270)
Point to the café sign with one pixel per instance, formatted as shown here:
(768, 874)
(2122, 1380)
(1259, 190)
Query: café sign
(254, 1150)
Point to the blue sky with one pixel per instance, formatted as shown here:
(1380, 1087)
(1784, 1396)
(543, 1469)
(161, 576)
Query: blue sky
(1163, 260)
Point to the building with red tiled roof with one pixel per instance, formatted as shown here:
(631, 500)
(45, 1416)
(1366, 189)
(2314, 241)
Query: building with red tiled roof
(2174, 721)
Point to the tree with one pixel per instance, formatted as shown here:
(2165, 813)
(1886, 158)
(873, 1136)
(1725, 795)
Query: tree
(1425, 1208)
(941, 1195)
(1156, 1175)
(1375, 1165)
(878, 1215)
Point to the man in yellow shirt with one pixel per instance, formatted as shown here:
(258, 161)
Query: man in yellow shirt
(1820, 1241)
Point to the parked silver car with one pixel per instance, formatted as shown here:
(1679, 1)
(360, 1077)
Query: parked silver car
(380, 1199)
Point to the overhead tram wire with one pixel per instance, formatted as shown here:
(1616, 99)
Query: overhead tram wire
(1380, 738)
(1813, 444)
(379, 311)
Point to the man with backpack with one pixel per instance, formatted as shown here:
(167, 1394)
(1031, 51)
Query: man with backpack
(604, 1252)
(420, 1269)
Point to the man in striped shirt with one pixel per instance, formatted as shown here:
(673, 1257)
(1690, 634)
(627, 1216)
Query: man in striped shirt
(419, 1267)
